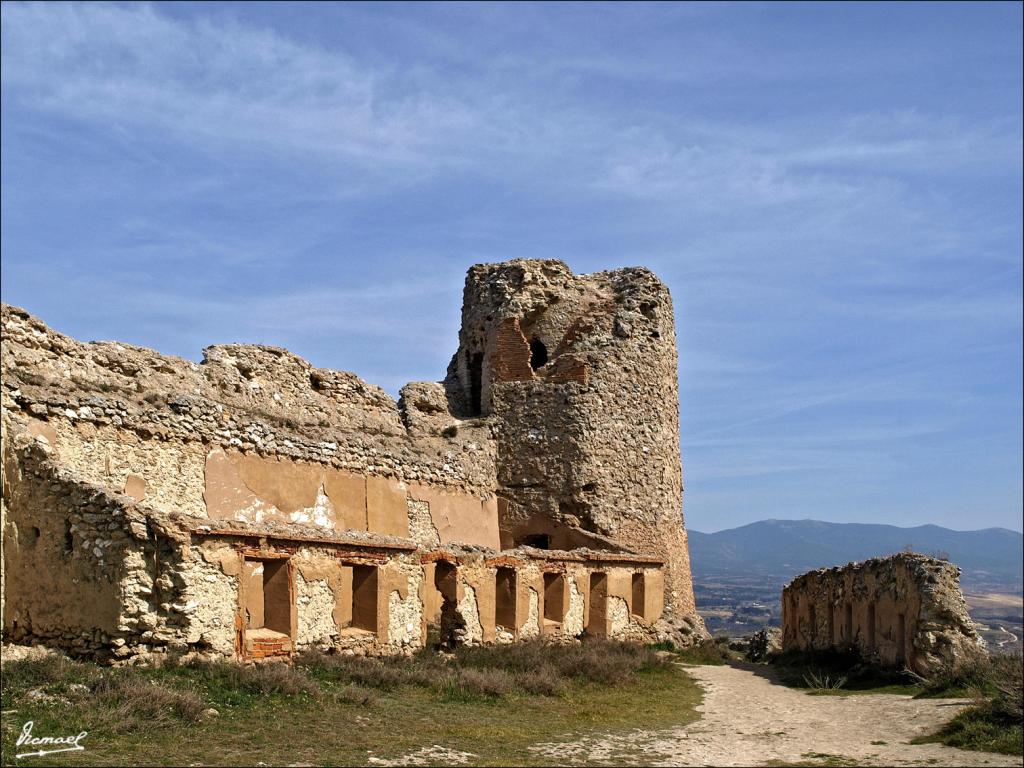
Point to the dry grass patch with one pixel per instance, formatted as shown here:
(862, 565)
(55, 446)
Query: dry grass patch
(491, 702)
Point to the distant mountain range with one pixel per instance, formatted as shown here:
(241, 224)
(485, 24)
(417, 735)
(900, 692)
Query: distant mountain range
(789, 547)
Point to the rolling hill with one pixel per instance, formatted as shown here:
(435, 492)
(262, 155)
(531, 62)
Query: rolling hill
(785, 548)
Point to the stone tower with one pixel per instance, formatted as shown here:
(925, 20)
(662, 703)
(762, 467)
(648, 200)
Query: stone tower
(578, 376)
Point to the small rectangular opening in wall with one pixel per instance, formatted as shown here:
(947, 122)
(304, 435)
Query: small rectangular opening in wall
(831, 624)
(535, 540)
(554, 597)
(505, 598)
(69, 539)
(277, 599)
(639, 595)
(266, 594)
(871, 625)
(597, 618)
(901, 637)
(476, 367)
(445, 581)
(848, 624)
(364, 597)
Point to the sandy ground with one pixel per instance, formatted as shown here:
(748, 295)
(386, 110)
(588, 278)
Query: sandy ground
(749, 720)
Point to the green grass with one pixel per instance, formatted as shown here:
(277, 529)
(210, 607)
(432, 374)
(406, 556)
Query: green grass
(491, 702)
(981, 729)
(996, 722)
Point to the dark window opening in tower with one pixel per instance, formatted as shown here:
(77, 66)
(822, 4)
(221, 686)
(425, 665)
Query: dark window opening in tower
(476, 373)
(536, 540)
(538, 353)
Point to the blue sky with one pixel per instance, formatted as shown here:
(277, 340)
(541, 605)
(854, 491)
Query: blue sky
(832, 192)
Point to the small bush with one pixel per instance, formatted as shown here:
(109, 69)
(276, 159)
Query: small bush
(1007, 676)
(281, 678)
(485, 682)
(543, 681)
(533, 667)
(971, 676)
(134, 703)
(817, 680)
(996, 722)
(380, 673)
(356, 694)
(263, 679)
(981, 728)
(54, 672)
(715, 651)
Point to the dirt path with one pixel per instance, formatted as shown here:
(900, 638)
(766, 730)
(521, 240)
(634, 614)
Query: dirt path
(749, 720)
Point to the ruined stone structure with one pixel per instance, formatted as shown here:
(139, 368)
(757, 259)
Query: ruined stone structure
(906, 610)
(252, 505)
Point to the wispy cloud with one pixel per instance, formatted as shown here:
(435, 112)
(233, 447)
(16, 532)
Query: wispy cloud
(833, 197)
(217, 84)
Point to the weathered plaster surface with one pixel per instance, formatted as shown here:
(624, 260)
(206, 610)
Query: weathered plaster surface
(208, 602)
(573, 623)
(315, 604)
(405, 610)
(470, 613)
(618, 616)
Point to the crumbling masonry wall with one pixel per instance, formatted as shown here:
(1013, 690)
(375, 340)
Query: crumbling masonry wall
(222, 506)
(578, 374)
(485, 612)
(906, 610)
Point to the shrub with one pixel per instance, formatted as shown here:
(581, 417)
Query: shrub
(980, 728)
(532, 667)
(970, 676)
(267, 678)
(134, 703)
(380, 673)
(543, 681)
(715, 651)
(54, 672)
(996, 722)
(822, 681)
(486, 682)
(1007, 678)
(355, 694)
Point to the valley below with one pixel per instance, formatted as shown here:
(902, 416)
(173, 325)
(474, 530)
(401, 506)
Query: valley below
(739, 574)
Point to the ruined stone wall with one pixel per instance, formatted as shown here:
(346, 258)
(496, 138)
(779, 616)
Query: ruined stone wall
(324, 606)
(77, 559)
(557, 427)
(251, 433)
(486, 612)
(904, 610)
(588, 439)
(255, 400)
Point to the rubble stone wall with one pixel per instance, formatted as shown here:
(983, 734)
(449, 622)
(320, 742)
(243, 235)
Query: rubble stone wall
(906, 610)
(556, 428)
(254, 399)
(589, 439)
